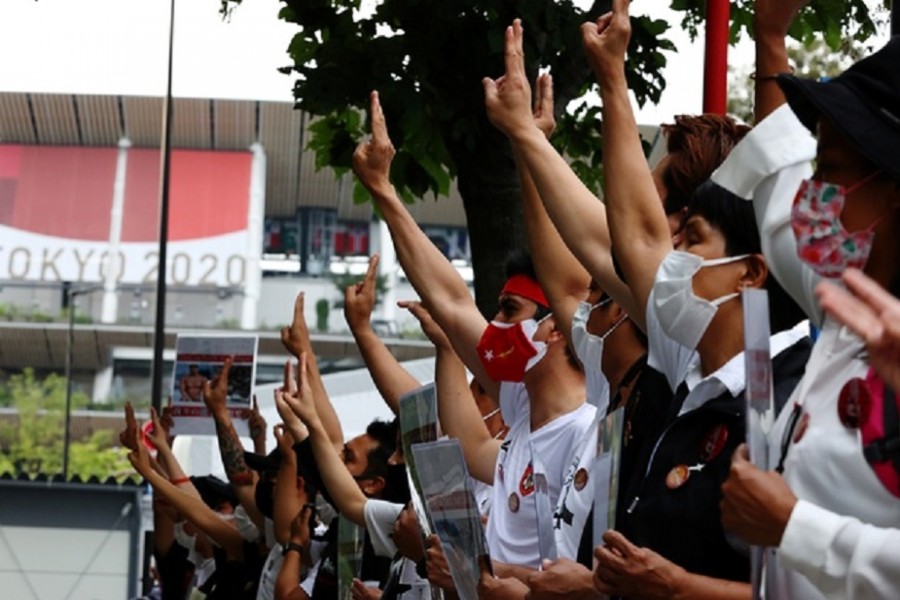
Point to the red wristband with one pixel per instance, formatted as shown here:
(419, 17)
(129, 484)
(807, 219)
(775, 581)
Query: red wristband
(179, 481)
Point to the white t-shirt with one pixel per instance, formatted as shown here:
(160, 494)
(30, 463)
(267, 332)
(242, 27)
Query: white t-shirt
(576, 497)
(512, 534)
(842, 537)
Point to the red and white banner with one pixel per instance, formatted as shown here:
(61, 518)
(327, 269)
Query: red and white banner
(56, 213)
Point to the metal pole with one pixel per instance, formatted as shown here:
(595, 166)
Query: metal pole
(70, 337)
(159, 332)
(715, 75)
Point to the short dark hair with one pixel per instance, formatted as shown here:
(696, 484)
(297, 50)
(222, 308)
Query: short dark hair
(734, 218)
(697, 145)
(385, 435)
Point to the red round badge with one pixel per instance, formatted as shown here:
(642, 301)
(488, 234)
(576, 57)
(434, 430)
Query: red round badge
(854, 403)
(713, 442)
(677, 477)
(526, 483)
(801, 427)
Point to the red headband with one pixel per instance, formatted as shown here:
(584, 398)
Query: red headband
(525, 286)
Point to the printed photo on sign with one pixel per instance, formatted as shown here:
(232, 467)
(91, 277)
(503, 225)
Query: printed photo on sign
(199, 360)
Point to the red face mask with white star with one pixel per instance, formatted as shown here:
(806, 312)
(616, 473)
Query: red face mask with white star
(507, 350)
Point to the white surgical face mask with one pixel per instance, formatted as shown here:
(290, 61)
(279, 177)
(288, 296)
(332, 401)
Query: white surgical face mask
(683, 315)
(589, 350)
(182, 537)
(245, 526)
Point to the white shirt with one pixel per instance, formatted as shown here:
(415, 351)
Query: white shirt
(512, 534)
(843, 535)
(576, 497)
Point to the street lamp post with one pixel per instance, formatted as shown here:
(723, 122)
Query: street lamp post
(70, 346)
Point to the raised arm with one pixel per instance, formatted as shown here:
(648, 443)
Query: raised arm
(435, 280)
(638, 226)
(577, 214)
(287, 584)
(193, 508)
(349, 499)
(286, 504)
(242, 478)
(457, 411)
(563, 279)
(295, 339)
(771, 21)
(391, 379)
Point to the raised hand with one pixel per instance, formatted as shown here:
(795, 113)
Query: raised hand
(295, 337)
(300, 524)
(257, 424)
(606, 41)
(128, 437)
(158, 434)
(543, 105)
(775, 16)
(139, 457)
(284, 440)
(359, 298)
(167, 421)
(372, 159)
(873, 314)
(215, 392)
(431, 329)
(300, 400)
(508, 98)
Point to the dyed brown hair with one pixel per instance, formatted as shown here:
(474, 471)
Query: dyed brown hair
(697, 145)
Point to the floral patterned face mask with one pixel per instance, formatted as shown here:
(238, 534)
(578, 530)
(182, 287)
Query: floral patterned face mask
(822, 241)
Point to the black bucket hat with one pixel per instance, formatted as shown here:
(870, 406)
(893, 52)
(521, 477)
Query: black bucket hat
(863, 102)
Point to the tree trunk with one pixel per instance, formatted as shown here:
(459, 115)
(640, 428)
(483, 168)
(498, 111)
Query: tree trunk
(489, 187)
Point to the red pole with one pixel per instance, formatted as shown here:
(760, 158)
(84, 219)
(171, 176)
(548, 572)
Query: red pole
(715, 76)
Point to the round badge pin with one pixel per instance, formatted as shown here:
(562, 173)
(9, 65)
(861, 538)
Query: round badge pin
(801, 427)
(581, 479)
(526, 483)
(677, 477)
(513, 502)
(713, 442)
(854, 403)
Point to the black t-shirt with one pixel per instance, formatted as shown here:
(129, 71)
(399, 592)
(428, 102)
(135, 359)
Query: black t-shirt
(681, 521)
(235, 579)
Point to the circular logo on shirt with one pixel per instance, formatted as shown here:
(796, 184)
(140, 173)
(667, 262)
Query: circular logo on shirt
(677, 477)
(581, 479)
(513, 502)
(854, 403)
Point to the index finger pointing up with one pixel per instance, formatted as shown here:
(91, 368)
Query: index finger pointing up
(379, 126)
(373, 268)
(298, 308)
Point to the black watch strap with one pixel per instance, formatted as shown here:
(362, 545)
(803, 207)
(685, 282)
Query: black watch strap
(292, 546)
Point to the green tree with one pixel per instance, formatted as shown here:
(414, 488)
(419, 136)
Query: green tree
(34, 444)
(427, 60)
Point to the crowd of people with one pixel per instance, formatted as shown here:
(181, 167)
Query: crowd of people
(632, 303)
